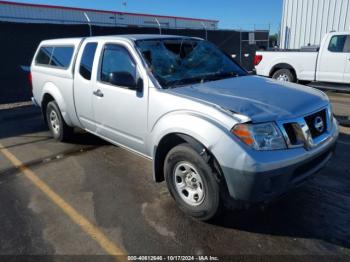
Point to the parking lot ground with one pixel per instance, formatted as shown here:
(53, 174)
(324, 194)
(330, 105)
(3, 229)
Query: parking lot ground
(112, 192)
(341, 105)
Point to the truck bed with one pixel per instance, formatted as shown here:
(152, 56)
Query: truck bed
(303, 62)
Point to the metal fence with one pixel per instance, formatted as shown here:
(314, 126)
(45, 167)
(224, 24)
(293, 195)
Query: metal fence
(18, 53)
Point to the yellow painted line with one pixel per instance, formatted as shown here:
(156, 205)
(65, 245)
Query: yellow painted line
(85, 225)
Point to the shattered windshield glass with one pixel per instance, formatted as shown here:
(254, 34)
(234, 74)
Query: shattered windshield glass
(176, 62)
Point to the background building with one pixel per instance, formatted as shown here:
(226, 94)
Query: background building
(34, 13)
(305, 22)
(24, 26)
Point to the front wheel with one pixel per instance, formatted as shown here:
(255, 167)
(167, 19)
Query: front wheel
(192, 183)
(58, 127)
(284, 75)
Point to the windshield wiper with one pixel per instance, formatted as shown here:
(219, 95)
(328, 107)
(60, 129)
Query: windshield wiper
(184, 81)
(219, 76)
(201, 79)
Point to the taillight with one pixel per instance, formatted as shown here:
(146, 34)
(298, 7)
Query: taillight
(257, 59)
(30, 80)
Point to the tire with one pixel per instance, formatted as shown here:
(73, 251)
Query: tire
(58, 127)
(285, 75)
(184, 160)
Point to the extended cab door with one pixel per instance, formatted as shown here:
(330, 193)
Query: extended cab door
(347, 62)
(84, 85)
(332, 60)
(120, 112)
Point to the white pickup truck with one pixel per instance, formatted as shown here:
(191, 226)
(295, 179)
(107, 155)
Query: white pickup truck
(330, 63)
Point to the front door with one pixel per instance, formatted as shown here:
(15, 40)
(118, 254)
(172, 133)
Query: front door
(120, 112)
(347, 61)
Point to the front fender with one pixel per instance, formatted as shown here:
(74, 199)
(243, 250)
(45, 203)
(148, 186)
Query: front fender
(54, 91)
(215, 137)
(205, 130)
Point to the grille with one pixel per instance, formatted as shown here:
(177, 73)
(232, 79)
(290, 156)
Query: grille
(296, 134)
(291, 133)
(310, 121)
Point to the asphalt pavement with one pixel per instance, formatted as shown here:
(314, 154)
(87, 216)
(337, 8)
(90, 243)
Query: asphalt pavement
(88, 197)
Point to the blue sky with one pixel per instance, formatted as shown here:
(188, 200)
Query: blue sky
(231, 13)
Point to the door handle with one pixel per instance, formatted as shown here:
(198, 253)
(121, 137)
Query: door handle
(98, 93)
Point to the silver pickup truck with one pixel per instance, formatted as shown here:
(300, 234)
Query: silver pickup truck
(215, 134)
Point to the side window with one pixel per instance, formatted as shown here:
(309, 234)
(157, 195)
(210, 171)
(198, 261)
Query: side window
(116, 59)
(44, 55)
(347, 45)
(56, 56)
(337, 43)
(87, 60)
(61, 56)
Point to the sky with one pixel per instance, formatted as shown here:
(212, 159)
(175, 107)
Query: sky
(231, 13)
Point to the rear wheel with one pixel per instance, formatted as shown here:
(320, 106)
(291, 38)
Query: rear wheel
(192, 183)
(284, 75)
(58, 127)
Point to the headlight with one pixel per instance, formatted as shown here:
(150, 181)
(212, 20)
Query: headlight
(260, 136)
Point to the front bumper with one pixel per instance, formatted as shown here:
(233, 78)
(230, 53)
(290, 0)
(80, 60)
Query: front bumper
(274, 177)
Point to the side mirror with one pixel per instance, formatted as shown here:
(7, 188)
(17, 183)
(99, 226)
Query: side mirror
(139, 85)
(125, 79)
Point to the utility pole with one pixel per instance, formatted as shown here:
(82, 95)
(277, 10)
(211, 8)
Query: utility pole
(268, 38)
(124, 4)
(206, 32)
(240, 45)
(89, 22)
(160, 27)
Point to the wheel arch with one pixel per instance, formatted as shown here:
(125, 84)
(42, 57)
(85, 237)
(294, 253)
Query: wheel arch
(51, 93)
(47, 98)
(279, 66)
(171, 140)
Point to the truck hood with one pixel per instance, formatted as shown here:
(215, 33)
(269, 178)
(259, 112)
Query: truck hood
(260, 99)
